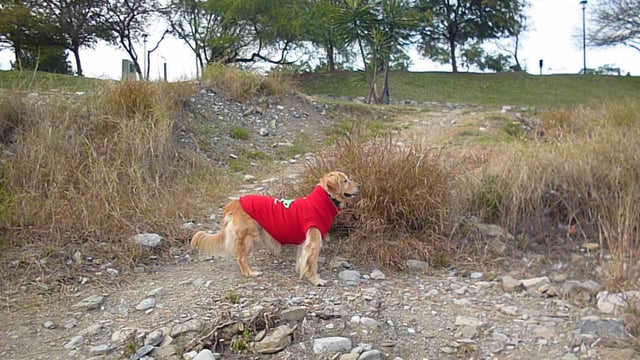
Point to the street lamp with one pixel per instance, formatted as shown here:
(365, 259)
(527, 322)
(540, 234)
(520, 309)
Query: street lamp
(144, 55)
(584, 38)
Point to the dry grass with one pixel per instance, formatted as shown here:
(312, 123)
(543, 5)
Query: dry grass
(242, 85)
(584, 177)
(402, 211)
(88, 173)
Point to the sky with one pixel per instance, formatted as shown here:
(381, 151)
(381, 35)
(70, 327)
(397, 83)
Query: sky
(555, 36)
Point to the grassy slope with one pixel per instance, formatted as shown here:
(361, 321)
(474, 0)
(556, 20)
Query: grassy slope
(42, 81)
(488, 89)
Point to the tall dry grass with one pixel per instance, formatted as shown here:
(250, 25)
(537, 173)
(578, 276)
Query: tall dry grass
(402, 210)
(242, 85)
(87, 173)
(584, 177)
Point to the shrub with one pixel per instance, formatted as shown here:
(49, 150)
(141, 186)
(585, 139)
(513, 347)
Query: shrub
(402, 211)
(243, 84)
(89, 173)
(239, 133)
(585, 173)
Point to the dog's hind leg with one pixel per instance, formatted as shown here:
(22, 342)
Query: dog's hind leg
(307, 261)
(245, 244)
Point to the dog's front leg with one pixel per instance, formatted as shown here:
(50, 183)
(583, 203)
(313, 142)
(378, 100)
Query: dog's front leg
(307, 261)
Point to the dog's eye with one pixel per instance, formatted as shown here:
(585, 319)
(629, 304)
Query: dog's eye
(345, 180)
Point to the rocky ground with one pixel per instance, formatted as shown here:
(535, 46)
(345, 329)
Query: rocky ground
(527, 310)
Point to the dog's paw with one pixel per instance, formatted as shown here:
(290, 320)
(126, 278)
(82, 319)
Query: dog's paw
(255, 273)
(319, 282)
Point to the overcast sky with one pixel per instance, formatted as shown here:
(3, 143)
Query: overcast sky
(555, 36)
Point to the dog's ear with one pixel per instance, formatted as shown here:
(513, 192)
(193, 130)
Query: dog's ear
(331, 183)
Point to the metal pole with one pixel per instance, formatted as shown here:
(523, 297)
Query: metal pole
(144, 65)
(165, 72)
(584, 38)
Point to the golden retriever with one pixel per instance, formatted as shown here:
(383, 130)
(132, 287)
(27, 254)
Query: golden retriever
(256, 220)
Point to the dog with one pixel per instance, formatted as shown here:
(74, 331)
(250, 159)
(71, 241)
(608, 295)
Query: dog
(257, 220)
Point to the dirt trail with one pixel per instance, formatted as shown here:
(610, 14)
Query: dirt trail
(421, 314)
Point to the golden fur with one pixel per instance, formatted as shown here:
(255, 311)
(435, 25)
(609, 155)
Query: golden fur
(240, 234)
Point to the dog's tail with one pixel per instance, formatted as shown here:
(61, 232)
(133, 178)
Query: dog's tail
(211, 244)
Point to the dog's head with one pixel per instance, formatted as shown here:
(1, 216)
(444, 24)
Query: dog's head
(338, 186)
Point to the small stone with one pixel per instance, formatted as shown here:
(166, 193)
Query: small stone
(510, 284)
(142, 352)
(349, 356)
(603, 328)
(193, 325)
(448, 350)
(154, 338)
(542, 331)
(205, 354)
(476, 275)
(91, 330)
(371, 355)
(121, 336)
(467, 320)
(157, 292)
(468, 332)
(189, 225)
(355, 319)
(508, 310)
(293, 314)
(377, 275)
(146, 304)
(279, 339)
(263, 132)
(558, 277)
(113, 272)
(199, 282)
(190, 355)
(249, 178)
(100, 350)
(331, 345)
(350, 276)
(417, 266)
(89, 303)
(368, 322)
(535, 283)
(49, 324)
(74, 342)
(147, 239)
(616, 303)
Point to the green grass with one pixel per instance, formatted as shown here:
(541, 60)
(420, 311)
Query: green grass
(486, 89)
(239, 133)
(42, 81)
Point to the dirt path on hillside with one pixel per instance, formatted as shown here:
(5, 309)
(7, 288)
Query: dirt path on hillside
(421, 314)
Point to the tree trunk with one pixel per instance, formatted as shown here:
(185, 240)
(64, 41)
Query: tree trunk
(452, 49)
(515, 54)
(385, 91)
(331, 65)
(76, 54)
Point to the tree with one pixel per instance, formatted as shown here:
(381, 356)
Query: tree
(76, 23)
(617, 23)
(124, 23)
(51, 59)
(19, 27)
(322, 33)
(447, 25)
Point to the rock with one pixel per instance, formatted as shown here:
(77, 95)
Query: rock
(493, 231)
(147, 239)
(49, 324)
(112, 272)
(368, 322)
(542, 331)
(293, 314)
(189, 225)
(91, 330)
(74, 342)
(157, 292)
(616, 303)
(350, 276)
(249, 178)
(193, 325)
(558, 277)
(167, 352)
(476, 275)
(154, 338)
(603, 328)
(535, 283)
(190, 355)
(510, 284)
(467, 332)
(100, 350)
(121, 336)
(279, 339)
(142, 352)
(377, 275)
(205, 354)
(199, 282)
(146, 304)
(263, 132)
(417, 266)
(569, 356)
(468, 321)
(89, 303)
(508, 310)
(370, 355)
(331, 345)
(349, 356)
(355, 319)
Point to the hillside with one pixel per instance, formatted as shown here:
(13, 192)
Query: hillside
(487, 89)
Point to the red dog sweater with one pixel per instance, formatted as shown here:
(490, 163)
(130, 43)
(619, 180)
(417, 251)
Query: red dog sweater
(287, 221)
